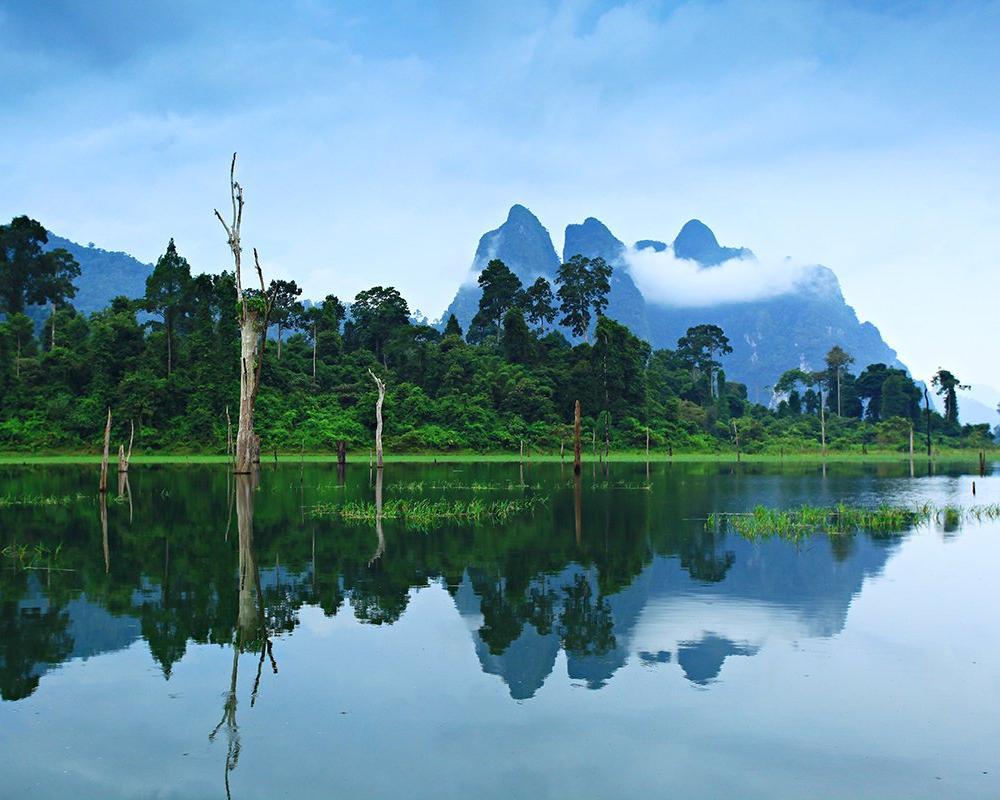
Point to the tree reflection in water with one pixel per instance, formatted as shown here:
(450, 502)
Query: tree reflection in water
(251, 634)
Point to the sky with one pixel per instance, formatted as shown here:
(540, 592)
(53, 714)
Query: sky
(379, 141)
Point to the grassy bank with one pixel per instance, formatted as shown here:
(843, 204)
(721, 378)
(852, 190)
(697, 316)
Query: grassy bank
(637, 456)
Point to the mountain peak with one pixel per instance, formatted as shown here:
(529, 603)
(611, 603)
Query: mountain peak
(696, 242)
(522, 214)
(591, 239)
(695, 239)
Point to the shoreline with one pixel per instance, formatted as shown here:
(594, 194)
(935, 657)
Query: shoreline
(638, 457)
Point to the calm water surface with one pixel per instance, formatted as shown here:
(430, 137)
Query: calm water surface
(219, 638)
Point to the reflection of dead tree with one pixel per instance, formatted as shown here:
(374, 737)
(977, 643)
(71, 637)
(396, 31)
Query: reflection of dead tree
(125, 490)
(251, 627)
(104, 532)
(578, 507)
(380, 550)
(229, 720)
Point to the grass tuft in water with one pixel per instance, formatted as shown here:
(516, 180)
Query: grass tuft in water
(765, 522)
(39, 500)
(423, 513)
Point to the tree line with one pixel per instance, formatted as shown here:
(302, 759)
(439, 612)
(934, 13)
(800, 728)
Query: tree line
(170, 362)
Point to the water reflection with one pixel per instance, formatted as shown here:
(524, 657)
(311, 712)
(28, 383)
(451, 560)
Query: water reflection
(251, 634)
(640, 578)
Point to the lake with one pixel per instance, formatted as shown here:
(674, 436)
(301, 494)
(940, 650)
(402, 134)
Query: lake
(202, 636)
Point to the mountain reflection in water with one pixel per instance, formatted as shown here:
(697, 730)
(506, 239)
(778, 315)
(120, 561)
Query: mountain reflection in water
(644, 578)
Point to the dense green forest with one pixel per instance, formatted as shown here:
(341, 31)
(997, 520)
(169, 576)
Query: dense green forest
(169, 362)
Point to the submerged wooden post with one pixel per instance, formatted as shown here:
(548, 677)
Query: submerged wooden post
(378, 417)
(736, 435)
(576, 438)
(341, 452)
(104, 459)
(647, 444)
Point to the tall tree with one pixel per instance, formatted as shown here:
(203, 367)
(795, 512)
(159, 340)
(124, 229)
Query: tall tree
(700, 348)
(584, 284)
(287, 308)
(836, 361)
(501, 292)
(166, 294)
(322, 321)
(21, 330)
(452, 328)
(947, 385)
(518, 345)
(899, 397)
(621, 358)
(375, 314)
(538, 303)
(28, 274)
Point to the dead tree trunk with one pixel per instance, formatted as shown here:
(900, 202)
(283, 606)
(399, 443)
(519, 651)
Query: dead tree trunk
(378, 418)
(123, 457)
(576, 438)
(104, 459)
(254, 311)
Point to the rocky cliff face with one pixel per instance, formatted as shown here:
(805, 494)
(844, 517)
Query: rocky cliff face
(523, 244)
(593, 239)
(768, 336)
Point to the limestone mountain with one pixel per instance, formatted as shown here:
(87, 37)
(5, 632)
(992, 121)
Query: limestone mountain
(593, 239)
(523, 244)
(768, 336)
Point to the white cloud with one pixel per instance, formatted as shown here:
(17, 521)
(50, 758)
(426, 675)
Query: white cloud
(665, 279)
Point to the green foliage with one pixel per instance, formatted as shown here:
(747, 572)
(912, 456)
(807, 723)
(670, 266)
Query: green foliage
(175, 376)
(584, 284)
(28, 275)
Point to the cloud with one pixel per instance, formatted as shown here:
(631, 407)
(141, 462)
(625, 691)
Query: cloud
(667, 280)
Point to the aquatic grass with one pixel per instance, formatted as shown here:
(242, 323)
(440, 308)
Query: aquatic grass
(765, 522)
(423, 513)
(41, 500)
(415, 487)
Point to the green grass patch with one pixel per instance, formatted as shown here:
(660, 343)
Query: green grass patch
(41, 500)
(423, 513)
(763, 522)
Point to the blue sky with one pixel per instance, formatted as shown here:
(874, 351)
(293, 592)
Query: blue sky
(379, 140)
